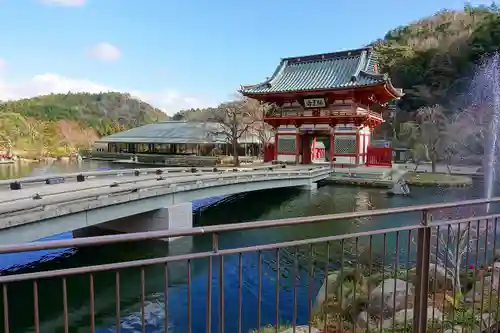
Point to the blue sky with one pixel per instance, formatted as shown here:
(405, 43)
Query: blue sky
(179, 53)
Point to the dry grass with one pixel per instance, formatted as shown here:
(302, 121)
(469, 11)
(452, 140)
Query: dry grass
(437, 179)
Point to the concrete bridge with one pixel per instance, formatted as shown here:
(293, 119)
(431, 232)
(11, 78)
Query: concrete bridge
(129, 200)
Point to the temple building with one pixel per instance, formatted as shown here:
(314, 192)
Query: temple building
(326, 106)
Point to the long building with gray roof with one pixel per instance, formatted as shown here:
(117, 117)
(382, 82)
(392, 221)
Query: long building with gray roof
(173, 143)
(176, 132)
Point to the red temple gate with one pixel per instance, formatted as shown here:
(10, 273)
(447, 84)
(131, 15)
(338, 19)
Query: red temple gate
(378, 156)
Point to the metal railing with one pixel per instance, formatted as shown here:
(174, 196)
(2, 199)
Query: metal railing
(435, 270)
(133, 172)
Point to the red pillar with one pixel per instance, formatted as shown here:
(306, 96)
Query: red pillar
(363, 148)
(276, 136)
(332, 146)
(357, 146)
(306, 149)
(297, 147)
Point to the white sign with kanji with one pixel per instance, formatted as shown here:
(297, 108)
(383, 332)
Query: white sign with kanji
(314, 103)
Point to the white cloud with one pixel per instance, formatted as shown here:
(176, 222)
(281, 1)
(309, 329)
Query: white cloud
(3, 65)
(66, 3)
(105, 52)
(170, 101)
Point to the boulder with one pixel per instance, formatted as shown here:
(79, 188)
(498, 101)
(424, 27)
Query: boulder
(439, 279)
(400, 318)
(482, 289)
(390, 296)
(495, 276)
(328, 286)
(363, 322)
(487, 320)
(406, 315)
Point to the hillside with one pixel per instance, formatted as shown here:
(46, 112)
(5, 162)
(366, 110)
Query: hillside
(434, 58)
(60, 124)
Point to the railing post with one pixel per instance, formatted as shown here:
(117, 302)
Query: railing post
(422, 277)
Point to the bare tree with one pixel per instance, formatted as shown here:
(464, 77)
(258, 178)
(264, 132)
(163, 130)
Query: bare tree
(468, 133)
(452, 242)
(259, 127)
(234, 119)
(432, 129)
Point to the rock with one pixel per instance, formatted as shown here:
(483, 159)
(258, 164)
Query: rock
(481, 290)
(390, 296)
(406, 315)
(496, 255)
(459, 329)
(363, 321)
(487, 320)
(455, 329)
(330, 283)
(495, 276)
(302, 329)
(439, 279)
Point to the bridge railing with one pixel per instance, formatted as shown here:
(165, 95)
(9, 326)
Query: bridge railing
(81, 176)
(147, 186)
(435, 269)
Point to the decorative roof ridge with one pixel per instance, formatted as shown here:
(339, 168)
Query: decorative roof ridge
(329, 55)
(377, 76)
(361, 64)
(277, 72)
(399, 91)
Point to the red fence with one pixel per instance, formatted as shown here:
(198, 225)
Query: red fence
(377, 156)
(269, 152)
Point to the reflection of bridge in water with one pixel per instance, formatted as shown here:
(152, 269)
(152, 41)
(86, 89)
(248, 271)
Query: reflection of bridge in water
(233, 289)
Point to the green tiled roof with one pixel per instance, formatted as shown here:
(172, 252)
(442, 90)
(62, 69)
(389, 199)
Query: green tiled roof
(347, 69)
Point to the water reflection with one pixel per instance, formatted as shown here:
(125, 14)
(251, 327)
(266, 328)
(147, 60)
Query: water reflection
(17, 170)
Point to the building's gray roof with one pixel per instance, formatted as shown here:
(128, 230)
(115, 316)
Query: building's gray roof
(173, 132)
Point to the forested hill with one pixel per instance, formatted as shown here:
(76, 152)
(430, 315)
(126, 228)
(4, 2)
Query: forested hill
(59, 124)
(434, 58)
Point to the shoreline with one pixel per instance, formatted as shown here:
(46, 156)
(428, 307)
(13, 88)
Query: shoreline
(437, 179)
(430, 180)
(36, 160)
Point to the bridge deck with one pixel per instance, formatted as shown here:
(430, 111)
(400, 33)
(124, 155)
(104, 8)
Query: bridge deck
(92, 183)
(27, 192)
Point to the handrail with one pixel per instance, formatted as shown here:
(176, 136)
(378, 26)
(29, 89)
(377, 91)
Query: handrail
(276, 223)
(118, 182)
(43, 178)
(14, 206)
